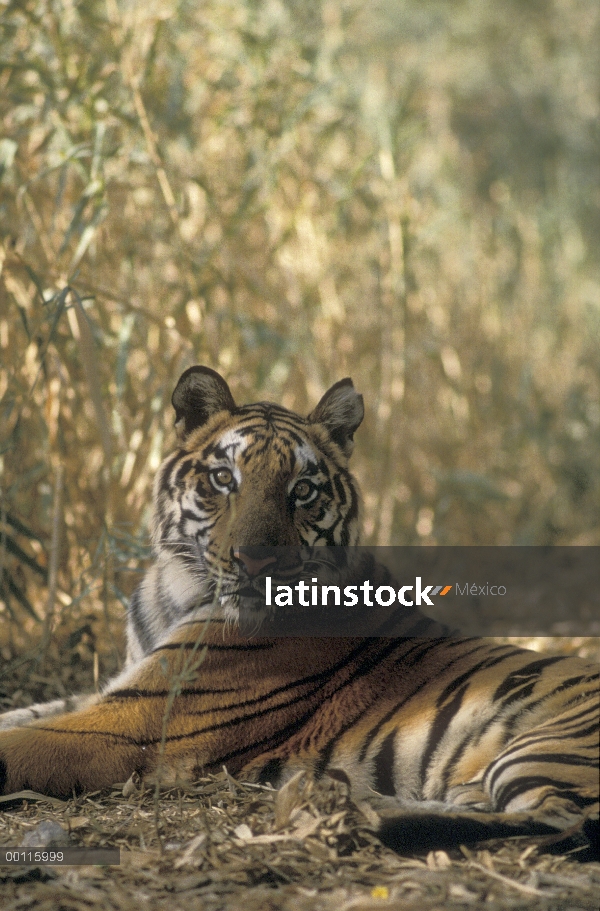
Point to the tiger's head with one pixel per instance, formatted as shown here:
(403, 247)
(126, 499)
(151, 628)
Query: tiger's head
(250, 476)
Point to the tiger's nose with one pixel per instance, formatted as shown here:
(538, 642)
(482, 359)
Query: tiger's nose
(253, 564)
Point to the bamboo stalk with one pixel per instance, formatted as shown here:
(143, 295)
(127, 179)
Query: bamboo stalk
(55, 541)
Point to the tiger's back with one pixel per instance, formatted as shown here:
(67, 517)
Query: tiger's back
(463, 739)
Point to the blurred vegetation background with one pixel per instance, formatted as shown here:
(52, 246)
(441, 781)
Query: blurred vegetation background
(292, 191)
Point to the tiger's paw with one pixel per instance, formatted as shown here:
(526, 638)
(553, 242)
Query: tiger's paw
(10, 779)
(62, 763)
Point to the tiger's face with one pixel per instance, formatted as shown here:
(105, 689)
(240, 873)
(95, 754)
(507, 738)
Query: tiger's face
(254, 476)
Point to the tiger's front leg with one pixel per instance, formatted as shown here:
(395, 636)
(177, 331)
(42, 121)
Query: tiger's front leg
(106, 738)
(72, 753)
(200, 700)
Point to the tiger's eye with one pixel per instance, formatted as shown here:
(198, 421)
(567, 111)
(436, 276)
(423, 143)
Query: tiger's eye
(223, 477)
(302, 490)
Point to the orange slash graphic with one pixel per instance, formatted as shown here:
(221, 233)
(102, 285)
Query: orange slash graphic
(445, 590)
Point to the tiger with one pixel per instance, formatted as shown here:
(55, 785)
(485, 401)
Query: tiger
(452, 740)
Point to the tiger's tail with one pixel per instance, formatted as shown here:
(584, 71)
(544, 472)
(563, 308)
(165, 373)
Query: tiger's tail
(417, 832)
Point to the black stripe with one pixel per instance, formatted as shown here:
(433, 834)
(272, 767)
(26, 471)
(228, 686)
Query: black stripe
(187, 464)
(120, 738)
(517, 694)
(137, 616)
(195, 516)
(439, 728)
(208, 622)
(522, 742)
(568, 759)
(384, 766)
(211, 647)
(518, 677)
(467, 741)
(569, 682)
(124, 695)
(521, 785)
(340, 490)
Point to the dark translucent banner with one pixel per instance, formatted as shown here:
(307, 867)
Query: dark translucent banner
(60, 857)
(420, 591)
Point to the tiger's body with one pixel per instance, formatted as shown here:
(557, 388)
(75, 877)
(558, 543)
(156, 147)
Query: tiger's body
(457, 740)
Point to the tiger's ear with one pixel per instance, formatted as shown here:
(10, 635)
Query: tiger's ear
(200, 393)
(341, 411)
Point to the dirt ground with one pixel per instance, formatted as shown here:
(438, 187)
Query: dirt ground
(223, 844)
(218, 846)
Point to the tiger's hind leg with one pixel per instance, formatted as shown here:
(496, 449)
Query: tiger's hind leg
(552, 772)
(543, 783)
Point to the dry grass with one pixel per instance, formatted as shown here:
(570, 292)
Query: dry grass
(221, 845)
(291, 193)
